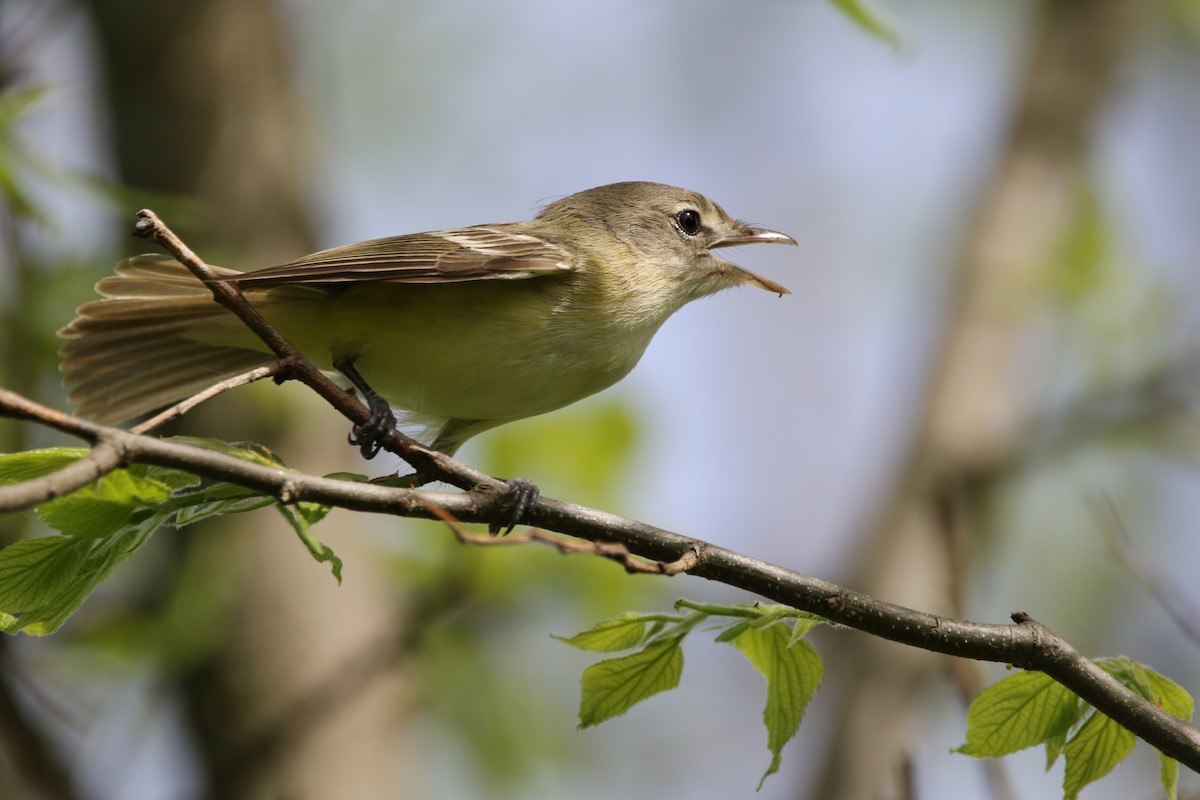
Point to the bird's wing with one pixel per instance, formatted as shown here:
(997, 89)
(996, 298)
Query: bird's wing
(458, 254)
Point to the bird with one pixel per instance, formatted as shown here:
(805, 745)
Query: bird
(462, 329)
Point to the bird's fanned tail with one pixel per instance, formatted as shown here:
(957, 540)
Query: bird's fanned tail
(131, 353)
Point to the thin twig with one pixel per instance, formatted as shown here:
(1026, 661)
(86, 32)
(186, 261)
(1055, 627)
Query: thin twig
(184, 406)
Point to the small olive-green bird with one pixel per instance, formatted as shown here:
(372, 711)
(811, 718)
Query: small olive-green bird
(464, 329)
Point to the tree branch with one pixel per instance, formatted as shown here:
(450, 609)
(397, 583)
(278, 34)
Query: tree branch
(1027, 644)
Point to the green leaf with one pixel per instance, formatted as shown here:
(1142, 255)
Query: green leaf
(175, 479)
(247, 451)
(1093, 751)
(1168, 775)
(214, 501)
(793, 671)
(1175, 700)
(613, 686)
(1164, 693)
(734, 631)
(18, 467)
(1054, 747)
(619, 633)
(802, 625)
(300, 517)
(33, 570)
(1154, 687)
(872, 20)
(43, 581)
(311, 512)
(1022, 710)
(104, 507)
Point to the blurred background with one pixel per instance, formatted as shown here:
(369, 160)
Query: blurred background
(984, 379)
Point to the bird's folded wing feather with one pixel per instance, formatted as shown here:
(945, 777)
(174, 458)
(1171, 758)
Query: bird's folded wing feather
(458, 254)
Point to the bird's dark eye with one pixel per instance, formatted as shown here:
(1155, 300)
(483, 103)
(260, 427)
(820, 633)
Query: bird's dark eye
(688, 221)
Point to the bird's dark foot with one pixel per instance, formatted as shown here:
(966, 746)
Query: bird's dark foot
(367, 436)
(520, 494)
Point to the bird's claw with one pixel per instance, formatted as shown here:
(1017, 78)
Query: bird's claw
(517, 498)
(368, 436)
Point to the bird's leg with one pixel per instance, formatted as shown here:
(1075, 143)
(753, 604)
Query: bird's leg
(368, 436)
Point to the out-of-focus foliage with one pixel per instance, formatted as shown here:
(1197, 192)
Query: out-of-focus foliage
(872, 19)
(14, 153)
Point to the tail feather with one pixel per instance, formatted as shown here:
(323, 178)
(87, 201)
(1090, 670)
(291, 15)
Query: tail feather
(105, 351)
(130, 353)
(117, 399)
(126, 359)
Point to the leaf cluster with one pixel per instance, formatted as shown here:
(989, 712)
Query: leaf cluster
(771, 637)
(1030, 708)
(44, 580)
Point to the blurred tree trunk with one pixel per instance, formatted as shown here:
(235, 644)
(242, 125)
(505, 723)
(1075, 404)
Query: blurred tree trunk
(202, 105)
(975, 416)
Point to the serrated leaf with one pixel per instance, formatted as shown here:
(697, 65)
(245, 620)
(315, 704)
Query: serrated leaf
(173, 478)
(32, 570)
(793, 671)
(1093, 751)
(18, 467)
(215, 501)
(1054, 747)
(1175, 700)
(1022, 710)
(801, 626)
(298, 517)
(619, 633)
(43, 581)
(99, 509)
(311, 512)
(1164, 693)
(613, 686)
(104, 507)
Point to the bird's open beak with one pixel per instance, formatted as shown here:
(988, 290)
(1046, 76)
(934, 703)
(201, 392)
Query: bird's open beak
(753, 236)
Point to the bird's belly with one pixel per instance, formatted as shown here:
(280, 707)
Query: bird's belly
(483, 381)
(477, 357)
